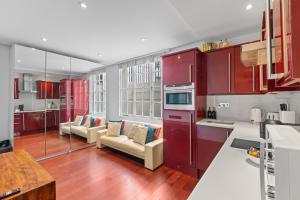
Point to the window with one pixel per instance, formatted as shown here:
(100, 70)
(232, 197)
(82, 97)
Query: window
(140, 90)
(98, 93)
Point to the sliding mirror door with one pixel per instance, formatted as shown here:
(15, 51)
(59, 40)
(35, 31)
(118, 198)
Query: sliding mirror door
(80, 136)
(58, 108)
(29, 107)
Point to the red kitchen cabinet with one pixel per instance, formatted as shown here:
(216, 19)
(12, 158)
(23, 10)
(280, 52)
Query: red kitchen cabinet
(209, 142)
(16, 88)
(50, 119)
(218, 64)
(80, 89)
(18, 122)
(179, 68)
(286, 39)
(244, 80)
(34, 121)
(179, 145)
(66, 104)
(55, 90)
(44, 90)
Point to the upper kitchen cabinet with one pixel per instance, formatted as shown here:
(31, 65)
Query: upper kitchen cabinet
(244, 80)
(218, 64)
(179, 68)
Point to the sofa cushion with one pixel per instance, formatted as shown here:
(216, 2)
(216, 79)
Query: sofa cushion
(124, 144)
(140, 134)
(78, 120)
(87, 122)
(150, 134)
(97, 122)
(79, 130)
(114, 129)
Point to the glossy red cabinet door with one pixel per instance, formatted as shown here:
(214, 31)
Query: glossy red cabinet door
(209, 142)
(34, 121)
(49, 90)
(18, 122)
(179, 68)
(55, 90)
(244, 80)
(16, 88)
(218, 65)
(178, 140)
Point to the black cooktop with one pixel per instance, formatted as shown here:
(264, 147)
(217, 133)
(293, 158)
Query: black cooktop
(244, 144)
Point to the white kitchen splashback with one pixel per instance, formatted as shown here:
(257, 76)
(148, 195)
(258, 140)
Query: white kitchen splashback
(240, 105)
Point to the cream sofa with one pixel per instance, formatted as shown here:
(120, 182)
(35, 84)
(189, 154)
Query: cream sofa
(89, 133)
(151, 153)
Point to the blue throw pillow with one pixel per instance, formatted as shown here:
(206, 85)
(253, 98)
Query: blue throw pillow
(150, 134)
(92, 122)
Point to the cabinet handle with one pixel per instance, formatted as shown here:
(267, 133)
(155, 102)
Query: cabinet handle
(253, 76)
(229, 72)
(190, 72)
(270, 73)
(191, 125)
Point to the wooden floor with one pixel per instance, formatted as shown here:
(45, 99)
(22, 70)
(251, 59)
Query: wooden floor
(107, 174)
(34, 143)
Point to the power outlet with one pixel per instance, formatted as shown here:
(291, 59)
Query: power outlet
(224, 105)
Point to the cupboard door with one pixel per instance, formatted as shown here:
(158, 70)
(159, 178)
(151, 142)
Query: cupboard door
(245, 80)
(178, 132)
(49, 90)
(179, 68)
(218, 65)
(55, 90)
(209, 142)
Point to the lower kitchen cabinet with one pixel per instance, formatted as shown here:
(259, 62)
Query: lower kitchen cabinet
(18, 122)
(209, 142)
(179, 147)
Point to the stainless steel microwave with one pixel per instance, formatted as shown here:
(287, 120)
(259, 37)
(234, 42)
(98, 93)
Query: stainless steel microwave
(179, 97)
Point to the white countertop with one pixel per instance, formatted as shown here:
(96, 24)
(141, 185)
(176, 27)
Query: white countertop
(230, 177)
(27, 111)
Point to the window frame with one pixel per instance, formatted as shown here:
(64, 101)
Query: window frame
(137, 76)
(101, 91)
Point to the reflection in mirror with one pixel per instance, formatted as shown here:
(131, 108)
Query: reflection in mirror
(57, 70)
(29, 115)
(80, 126)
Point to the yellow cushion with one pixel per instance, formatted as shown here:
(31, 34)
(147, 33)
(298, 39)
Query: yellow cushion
(140, 134)
(113, 129)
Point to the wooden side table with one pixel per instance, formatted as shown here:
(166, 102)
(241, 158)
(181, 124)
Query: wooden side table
(19, 170)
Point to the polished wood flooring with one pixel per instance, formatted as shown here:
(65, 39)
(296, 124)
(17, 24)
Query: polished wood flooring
(95, 174)
(35, 143)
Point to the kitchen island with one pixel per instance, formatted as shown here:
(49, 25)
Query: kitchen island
(232, 175)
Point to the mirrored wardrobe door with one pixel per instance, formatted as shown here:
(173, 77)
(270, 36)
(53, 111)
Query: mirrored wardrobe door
(57, 100)
(81, 126)
(29, 115)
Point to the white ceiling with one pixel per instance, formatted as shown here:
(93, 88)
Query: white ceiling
(113, 28)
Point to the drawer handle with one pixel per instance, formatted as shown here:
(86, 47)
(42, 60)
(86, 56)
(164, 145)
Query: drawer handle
(175, 117)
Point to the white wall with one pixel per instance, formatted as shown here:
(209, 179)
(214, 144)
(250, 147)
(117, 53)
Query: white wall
(240, 105)
(6, 93)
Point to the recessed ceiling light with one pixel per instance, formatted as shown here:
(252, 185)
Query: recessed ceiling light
(44, 39)
(249, 7)
(18, 60)
(143, 39)
(83, 5)
(33, 49)
(99, 54)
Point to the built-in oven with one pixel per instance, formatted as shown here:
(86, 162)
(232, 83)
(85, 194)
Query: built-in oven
(179, 97)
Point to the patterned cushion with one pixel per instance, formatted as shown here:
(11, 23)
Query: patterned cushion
(78, 120)
(140, 134)
(114, 129)
(97, 122)
(87, 122)
(127, 130)
(84, 117)
(157, 131)
(150, 133)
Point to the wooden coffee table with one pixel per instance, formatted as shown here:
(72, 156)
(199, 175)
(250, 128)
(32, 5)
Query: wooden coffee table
(19, 170)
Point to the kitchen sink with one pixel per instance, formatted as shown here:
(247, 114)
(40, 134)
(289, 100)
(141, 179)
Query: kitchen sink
(220, 122)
